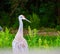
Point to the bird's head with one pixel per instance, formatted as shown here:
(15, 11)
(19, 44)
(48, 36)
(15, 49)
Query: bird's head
(22, 17)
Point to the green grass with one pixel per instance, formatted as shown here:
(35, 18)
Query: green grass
(33, 39)
(6, 38)
(43, 41)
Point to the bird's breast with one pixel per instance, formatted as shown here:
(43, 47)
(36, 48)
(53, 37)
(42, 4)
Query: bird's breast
(20, 43)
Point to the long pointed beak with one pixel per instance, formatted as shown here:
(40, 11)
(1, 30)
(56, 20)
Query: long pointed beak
(27, 20)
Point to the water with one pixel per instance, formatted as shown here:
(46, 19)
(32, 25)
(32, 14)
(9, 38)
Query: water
(34, 51)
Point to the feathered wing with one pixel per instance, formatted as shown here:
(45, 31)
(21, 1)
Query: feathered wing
(20, 47)
(23, 48)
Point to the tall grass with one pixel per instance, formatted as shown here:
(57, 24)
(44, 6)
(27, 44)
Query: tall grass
(6, 38)
(33, 39)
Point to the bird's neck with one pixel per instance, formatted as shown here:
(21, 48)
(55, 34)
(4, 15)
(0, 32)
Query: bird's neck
(20, 26)
(20, 30)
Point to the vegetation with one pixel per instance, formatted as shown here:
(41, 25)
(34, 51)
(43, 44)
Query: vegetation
(42, 13)
(6, 38)
(33, 39)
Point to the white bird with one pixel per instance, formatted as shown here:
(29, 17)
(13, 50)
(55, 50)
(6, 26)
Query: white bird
(19, 44)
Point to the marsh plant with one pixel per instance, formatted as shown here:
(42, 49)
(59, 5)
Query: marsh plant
(33, 39)
(5, 38)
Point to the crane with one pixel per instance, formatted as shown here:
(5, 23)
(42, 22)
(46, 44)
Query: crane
(19, 44)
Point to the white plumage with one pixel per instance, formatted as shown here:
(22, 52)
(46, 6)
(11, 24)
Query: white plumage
(19, 44)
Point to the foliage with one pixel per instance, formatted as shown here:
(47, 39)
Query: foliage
(33, 39)
(46, 11)
(4, 19)
(35, 21)
(41, 13)
(5, 38)
(58, 27)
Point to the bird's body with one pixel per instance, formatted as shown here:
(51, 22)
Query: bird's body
(19, 44)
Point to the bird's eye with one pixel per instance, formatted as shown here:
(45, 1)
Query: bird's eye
(20, 16)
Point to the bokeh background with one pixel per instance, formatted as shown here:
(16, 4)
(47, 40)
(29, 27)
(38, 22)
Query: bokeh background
(44, 29)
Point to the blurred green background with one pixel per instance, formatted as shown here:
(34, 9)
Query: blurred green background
(44, 30)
